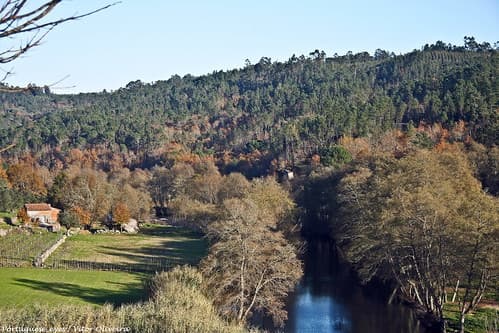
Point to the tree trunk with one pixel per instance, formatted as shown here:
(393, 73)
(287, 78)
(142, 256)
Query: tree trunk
(241, 308)
(392, 296)
(455, 291)
(257, 290)
(444, 326)
(462, 316)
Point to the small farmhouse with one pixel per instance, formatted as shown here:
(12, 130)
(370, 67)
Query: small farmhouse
(42, 213)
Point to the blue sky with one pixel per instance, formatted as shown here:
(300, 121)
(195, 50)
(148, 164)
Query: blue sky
(154, 39)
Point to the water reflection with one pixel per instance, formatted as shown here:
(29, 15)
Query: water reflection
(318, 314)
(329, 300)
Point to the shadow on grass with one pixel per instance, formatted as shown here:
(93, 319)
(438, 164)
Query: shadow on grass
(168, 230)
(189, 251)
(131, 293)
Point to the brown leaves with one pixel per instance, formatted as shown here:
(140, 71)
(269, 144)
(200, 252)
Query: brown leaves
(251, 266)
(83, 216)
(3, 175)
(121, 213)
(25, 178)
(22, 215)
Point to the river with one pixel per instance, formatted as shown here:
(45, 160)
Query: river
(329, 299)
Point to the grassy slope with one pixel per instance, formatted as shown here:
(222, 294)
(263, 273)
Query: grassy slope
(177, 245)
(26, 246)
(22, 286)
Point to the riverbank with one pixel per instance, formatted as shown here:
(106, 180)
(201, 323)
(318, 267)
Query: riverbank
(329, 298)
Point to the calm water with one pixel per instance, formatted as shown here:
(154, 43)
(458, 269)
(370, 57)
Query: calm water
(329, 300)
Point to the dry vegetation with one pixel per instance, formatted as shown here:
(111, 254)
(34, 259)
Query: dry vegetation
(177, 304)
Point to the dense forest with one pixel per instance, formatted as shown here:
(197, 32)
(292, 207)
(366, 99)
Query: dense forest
(287, 111)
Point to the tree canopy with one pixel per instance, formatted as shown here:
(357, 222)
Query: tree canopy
(424, 222)
(271, 110)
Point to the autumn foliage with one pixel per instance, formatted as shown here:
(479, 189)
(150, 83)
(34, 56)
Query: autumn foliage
(121, 213)
(83, 216)
(22, 216)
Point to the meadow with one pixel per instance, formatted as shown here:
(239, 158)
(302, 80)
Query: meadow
(153, 245)
(24, 286)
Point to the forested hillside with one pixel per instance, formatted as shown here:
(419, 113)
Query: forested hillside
(394, 158)
(277, 110)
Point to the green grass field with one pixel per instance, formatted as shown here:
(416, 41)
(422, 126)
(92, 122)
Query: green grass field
(23, 286)
(154, 242)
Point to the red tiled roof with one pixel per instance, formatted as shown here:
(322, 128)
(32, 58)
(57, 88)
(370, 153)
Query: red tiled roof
(38, 207)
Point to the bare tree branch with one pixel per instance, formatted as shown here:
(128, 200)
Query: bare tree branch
(17, 20)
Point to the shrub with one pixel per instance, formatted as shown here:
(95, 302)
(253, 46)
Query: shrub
(177, 304)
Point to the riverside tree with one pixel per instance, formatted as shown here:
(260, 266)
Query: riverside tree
(424, 222)
(251, 267)
(478, 239)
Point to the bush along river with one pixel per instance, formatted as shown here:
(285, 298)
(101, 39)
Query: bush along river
(329, 298)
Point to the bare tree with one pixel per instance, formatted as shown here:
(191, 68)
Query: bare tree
(251, 266)
(32, 23)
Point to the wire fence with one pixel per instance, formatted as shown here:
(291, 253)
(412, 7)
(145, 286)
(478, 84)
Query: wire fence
(150, 266)
(157, 265)
(15, 261)
(16, 251)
